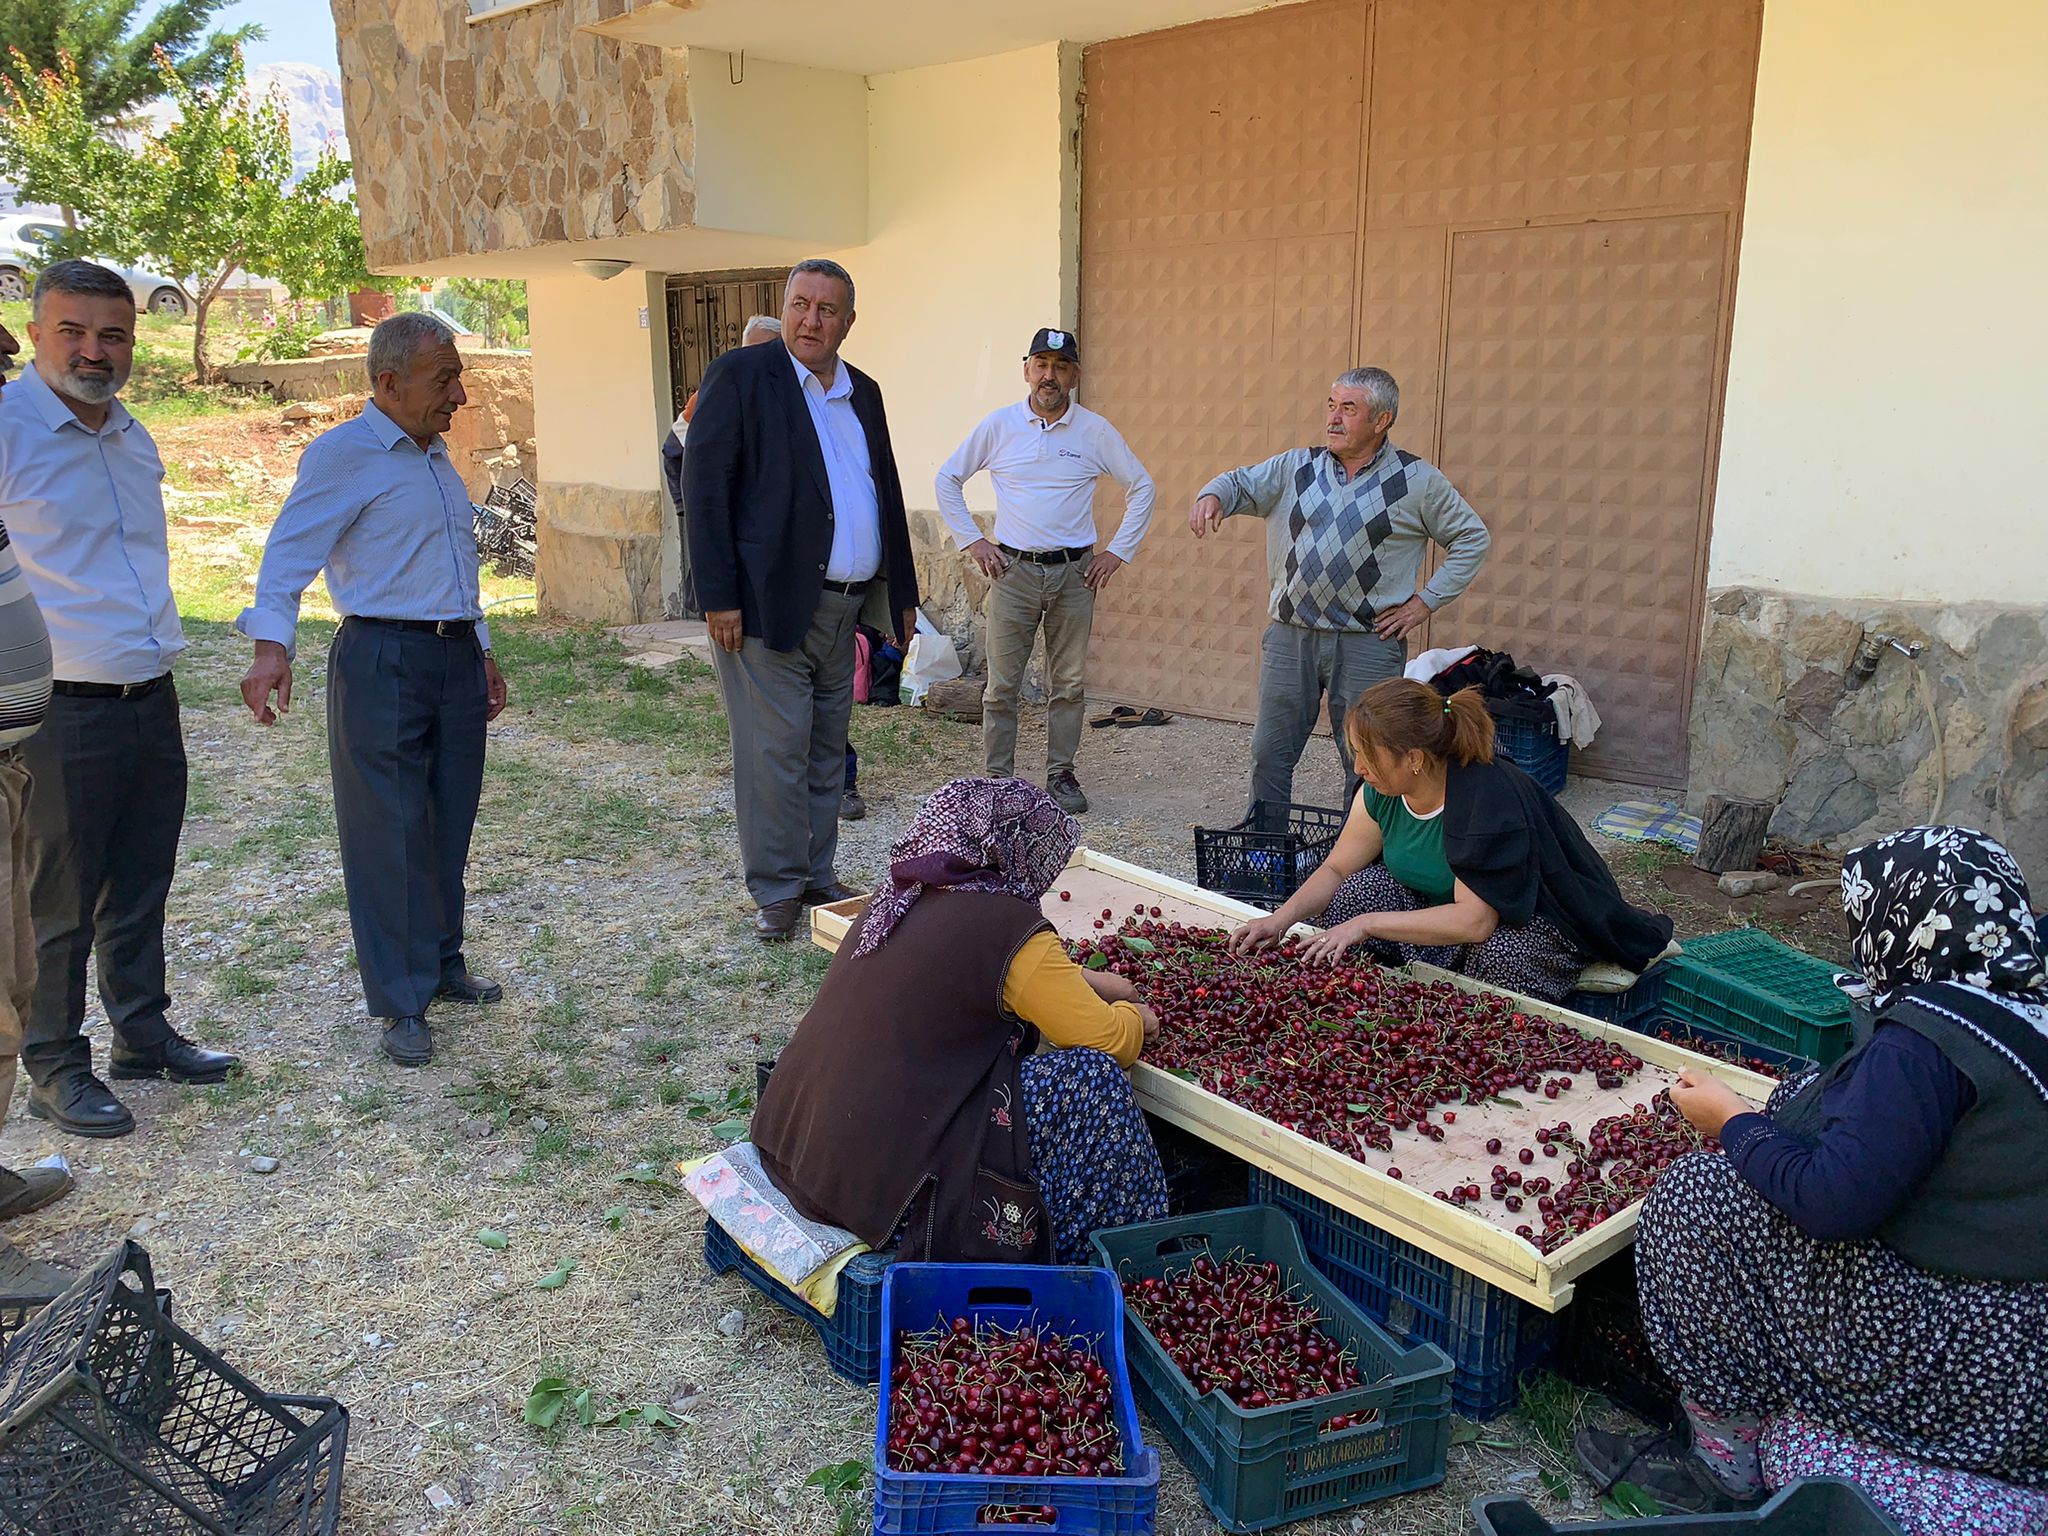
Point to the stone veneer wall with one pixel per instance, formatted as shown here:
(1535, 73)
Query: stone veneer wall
(515, 132)
(1775, 717)
(600, 552)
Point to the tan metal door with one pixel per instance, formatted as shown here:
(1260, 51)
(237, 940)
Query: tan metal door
(1220, 184)
(1216, 222)
(1579, 382)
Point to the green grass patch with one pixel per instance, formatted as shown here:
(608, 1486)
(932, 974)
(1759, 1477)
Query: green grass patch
(1555, 1409)
(236, 980)
(576, 679)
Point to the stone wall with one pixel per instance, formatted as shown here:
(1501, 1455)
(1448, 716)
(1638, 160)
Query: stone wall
(1778, 716)
(600, 552)
(508, 134)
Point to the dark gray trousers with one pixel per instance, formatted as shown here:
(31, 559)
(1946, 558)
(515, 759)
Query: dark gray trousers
(788, 711)
(405, 741)
(103, 820)
(1298, 669)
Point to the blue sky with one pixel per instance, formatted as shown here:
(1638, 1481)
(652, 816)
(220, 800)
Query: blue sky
(300, 31)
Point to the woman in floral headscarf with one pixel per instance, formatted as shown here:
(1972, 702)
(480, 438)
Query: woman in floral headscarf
(910, 1102)
(1868, 1257)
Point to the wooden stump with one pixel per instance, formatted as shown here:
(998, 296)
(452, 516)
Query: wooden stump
(1732, 833)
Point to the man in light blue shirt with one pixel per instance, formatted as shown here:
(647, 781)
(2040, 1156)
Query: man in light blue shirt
(81, 496)
(410, 679)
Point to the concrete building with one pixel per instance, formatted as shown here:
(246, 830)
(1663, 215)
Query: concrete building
(1724, 314)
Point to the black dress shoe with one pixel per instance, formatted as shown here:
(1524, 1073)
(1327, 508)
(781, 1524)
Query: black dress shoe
(408, 1041)
(465, 988)
(177, 1060)
(777, 921)
(825, 895)
(80, 1103)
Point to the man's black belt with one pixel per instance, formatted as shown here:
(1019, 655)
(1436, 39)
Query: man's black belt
(109, 690)
(1047, 556)
(447, 629)
(850, 588)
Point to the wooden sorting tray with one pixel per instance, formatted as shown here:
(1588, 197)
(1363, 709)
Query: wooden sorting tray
(1480, 1240)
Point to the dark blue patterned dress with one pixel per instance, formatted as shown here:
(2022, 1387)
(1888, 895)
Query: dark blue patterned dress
(1091, 1151)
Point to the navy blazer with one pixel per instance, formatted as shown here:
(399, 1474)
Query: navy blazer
(757, 507)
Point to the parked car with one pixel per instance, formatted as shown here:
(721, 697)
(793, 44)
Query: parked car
(22, 238)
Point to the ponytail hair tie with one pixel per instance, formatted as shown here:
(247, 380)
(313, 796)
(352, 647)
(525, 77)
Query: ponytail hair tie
(1447, 706)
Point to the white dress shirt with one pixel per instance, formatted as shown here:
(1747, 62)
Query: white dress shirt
(1044, 474)
(86, 513)
(392, 523)
(856, 509)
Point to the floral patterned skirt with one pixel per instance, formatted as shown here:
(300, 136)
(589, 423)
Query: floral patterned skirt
(1925, 1500)
(1091, 1151)
(1749, 1315)
(1533, 958)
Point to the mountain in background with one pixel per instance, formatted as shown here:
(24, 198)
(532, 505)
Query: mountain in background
(312, 96)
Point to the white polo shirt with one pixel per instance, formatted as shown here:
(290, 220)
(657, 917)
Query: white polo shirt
(1044, 474)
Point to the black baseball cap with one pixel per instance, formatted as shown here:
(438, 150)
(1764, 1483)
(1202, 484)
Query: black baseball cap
(1059, 343)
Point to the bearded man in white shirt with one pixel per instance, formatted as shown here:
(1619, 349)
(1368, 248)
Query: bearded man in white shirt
(1044, 456)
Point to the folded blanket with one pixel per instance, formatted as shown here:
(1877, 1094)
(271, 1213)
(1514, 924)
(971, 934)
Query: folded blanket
(804, 1255)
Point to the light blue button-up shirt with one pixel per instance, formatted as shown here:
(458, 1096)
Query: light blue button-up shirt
(391, 522)
(856, 509)
(86, 512)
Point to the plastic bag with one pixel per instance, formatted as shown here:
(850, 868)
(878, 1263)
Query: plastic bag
(931, 659)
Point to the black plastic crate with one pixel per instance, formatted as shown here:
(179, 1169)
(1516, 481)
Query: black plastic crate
(1604, 1347)
(1262, 1467)
(1811, 1506)
(1635, 1009)
(1493, 1338)
(1200, 1176)
(113, 1418)
(1265, 857)
(852, 1335)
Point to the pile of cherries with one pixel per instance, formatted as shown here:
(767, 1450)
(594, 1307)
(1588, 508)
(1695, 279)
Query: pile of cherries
(989, 1401)
(1345, 1054)
(1234, 1327)
(1603, 1176)
(1754, 1064)
(1348, 1054)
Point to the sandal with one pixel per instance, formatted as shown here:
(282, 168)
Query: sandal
(1122, 714)
(1131, 717)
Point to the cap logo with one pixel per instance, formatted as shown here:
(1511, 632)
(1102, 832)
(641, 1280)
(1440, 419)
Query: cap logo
(1056, 339)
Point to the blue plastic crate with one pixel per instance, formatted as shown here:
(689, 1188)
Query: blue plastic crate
(1493, 1339)
(1633, 1009)
(1533, 747)
(852, 1335)
(1074, 1301)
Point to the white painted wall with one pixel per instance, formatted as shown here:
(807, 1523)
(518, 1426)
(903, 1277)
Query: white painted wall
(595, 413)
(1884, 434)
(781, 150)
(973, 245)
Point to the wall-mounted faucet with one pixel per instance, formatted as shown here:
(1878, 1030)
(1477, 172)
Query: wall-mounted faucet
(1871, 650)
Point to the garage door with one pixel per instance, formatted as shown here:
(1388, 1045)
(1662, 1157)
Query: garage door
(1493, 201)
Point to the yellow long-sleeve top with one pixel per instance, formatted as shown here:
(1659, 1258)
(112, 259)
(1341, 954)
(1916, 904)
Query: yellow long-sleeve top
(1044, 987)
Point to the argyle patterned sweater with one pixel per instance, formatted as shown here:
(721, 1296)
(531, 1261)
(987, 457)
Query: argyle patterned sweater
(1339, 552)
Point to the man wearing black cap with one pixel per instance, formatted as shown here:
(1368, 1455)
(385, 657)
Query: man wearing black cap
(1044, 457)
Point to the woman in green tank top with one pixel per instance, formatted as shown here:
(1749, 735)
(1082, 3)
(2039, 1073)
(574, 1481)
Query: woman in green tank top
(1451, 857)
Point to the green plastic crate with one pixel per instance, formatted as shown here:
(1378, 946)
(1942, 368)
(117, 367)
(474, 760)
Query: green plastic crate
(1261, 1467)
(1749, 985)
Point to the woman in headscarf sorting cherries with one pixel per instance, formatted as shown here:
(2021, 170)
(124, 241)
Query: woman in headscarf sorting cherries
(1865, 1265)
(1456, 857)
(910, 1101)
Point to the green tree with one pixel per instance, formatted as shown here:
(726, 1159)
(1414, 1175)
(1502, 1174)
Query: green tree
(493, 307)
(210, 195)
(117, 60)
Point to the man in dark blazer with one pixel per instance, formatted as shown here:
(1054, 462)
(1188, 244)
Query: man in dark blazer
(794, 514)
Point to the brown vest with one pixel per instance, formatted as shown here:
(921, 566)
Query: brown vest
(900, 1097)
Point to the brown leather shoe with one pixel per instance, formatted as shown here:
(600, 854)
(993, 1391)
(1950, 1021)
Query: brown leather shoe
(777, 921)
(825, 895)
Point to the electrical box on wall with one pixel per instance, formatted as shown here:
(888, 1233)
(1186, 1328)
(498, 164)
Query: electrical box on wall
(643, 317)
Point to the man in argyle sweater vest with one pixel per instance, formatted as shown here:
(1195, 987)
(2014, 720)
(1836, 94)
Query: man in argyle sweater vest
(1345, 561)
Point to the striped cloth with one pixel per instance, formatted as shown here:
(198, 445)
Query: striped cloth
(1650, 821)
(24, 652)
